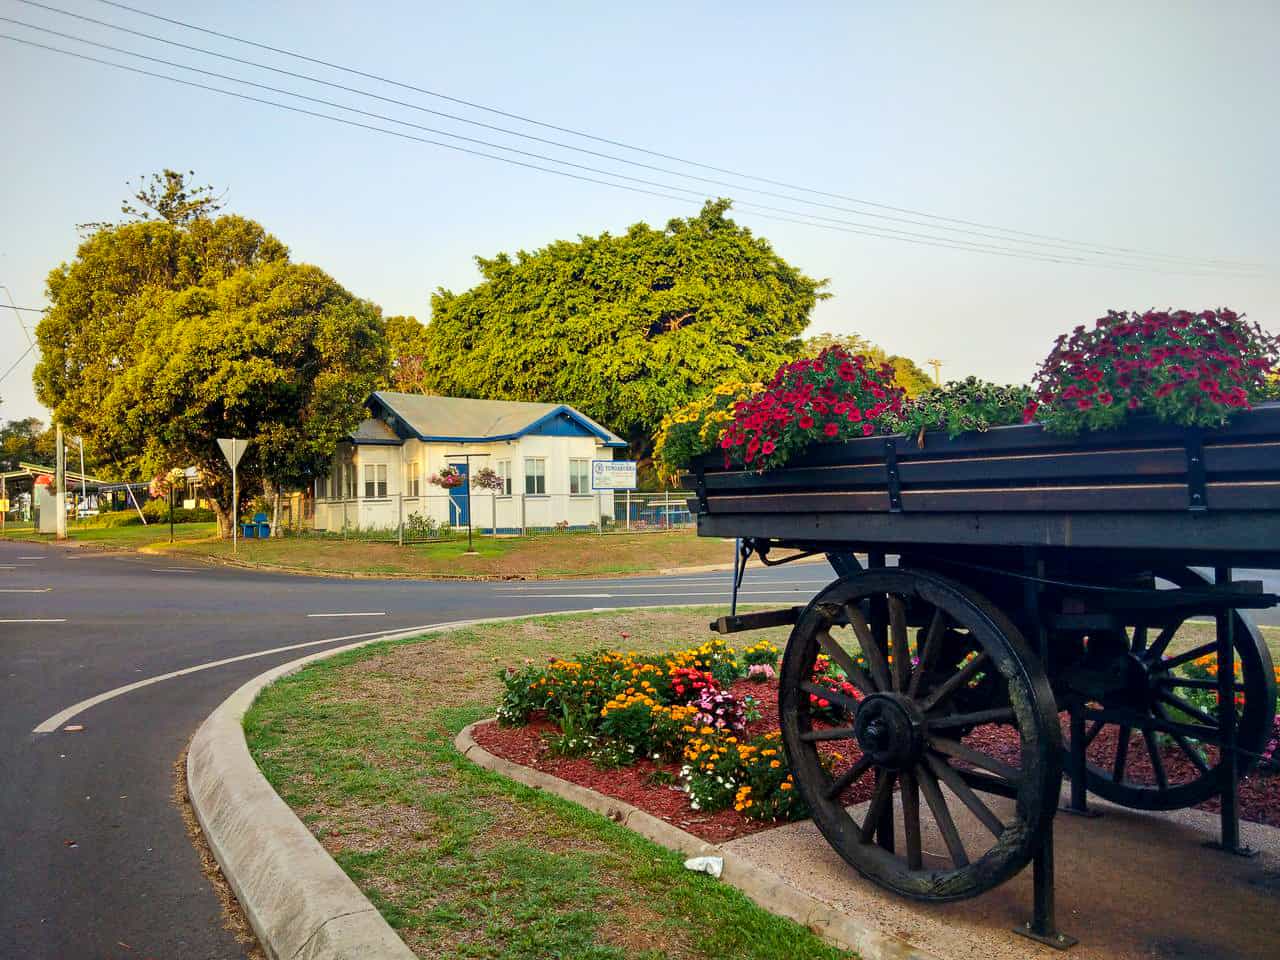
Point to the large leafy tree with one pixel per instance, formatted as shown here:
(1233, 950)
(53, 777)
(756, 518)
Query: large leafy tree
(167, 334)
(625, 328)
(407, 345)
(25, 441)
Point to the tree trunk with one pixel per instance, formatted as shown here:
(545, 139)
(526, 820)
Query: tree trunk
(224, 519)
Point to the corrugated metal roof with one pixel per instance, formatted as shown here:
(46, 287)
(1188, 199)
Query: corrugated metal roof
(373, 430)
(462, 419)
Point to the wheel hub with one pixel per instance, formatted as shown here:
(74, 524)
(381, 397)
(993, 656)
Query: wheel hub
(889, 730)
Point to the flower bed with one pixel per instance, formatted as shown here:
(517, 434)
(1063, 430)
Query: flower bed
(692, 736)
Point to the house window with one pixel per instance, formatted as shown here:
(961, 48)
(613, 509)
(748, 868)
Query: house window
(579, 477)
(413, 479)
(375, 481)
(535, 475)
(503, 469)
(349, 479)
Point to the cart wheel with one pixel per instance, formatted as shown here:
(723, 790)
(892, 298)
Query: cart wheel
(1150, 770)
(908, 724)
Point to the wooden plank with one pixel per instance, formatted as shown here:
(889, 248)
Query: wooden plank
(1241, 538)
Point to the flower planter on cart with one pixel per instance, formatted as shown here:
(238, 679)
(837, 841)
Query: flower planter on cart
(1039, 582)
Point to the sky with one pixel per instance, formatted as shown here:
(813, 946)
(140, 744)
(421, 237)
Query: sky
(1147, 126)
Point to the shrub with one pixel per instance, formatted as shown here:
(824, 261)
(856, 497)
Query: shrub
(695, 428)
(763, 653)
(157, 511)
(962, 406)
(1193, 369)
(835, 396)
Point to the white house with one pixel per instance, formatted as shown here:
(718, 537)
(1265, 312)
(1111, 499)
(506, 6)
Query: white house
(542, 451)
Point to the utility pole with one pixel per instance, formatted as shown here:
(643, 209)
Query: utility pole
(60, 485)
(80, 442)
(937, 371)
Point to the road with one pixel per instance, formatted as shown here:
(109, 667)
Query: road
(94, 857)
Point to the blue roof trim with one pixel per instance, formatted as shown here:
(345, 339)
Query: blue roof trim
(578, 418)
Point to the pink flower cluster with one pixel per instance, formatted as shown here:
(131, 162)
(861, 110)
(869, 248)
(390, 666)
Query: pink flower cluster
(833, 396)
(1187, 368)
(720, 709)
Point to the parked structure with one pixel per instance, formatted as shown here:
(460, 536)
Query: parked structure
(380, 475)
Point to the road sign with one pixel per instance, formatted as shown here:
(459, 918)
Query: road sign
(613, 474)
(233, 450)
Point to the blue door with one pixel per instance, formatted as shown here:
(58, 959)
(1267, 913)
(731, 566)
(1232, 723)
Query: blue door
(459, 516)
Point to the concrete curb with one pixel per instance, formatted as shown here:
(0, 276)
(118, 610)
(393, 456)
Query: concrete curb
(761, 886)
(298, 900)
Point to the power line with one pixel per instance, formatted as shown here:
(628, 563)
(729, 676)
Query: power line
(1074, 247)
(901, 236)
(9, 306)
(14, 366)
(881, 232)
(666, 156)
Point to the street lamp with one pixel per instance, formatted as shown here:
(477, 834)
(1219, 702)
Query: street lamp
(467, 457)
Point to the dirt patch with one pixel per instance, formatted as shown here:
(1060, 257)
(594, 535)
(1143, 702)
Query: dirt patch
(233, 917)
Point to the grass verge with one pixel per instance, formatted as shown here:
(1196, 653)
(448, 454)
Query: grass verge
(463, 862)
(117, 538)
(554, 555)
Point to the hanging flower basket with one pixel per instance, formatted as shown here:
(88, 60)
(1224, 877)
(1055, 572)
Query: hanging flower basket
(449, 477)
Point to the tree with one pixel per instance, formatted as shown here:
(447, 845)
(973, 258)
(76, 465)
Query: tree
(407, 346)
(167, 334)
(165, 196)
(25, 441)
(624, 328)
(907, 374)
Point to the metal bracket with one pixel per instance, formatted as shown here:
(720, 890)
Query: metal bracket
(891, 475)
(700, 488)
(1197, 494)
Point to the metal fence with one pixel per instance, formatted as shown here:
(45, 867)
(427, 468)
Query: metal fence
(409, 519)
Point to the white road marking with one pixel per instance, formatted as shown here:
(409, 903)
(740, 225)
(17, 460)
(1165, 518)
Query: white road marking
(25, 589)
(174, 570)
(375, 613)
(52, 620)
(41, 557)
(58, 719)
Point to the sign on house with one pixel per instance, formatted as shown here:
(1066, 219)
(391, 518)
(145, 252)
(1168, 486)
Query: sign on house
(613, 474)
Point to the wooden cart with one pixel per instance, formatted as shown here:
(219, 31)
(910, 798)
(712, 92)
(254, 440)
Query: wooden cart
(1017, 583)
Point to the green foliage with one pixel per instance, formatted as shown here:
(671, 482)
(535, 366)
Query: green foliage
(961, 406)
(407, 347)
(164, 336)
(157, 511)
(624, 328)
(26, 441)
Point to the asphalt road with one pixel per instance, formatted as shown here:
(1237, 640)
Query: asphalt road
(94, 858)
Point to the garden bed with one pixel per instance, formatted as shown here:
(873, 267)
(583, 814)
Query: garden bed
(654, 785)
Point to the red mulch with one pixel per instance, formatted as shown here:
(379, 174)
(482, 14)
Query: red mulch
(1259, 794)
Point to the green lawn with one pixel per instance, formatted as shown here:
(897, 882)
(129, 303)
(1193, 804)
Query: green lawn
(123, 538)
(463, 862)
(551, 555)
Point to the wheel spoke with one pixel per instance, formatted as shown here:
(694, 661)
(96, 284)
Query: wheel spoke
(828, 733)
(850, 776)
(952, 778)
(942, 817)
(871, 651)
(1189, 683)
(1189, 709)
(1162, 779)
(1122, 754)
(849, 704)
(954, 748)
(875, 811)
(898, 636)
(1156, 650)
(1192, 753)
(911, 819)
(1190, 655)
(845, 662)
(978, 717)
(1095, 728)
(932, 643)
(1139, 643)
(961, 677)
